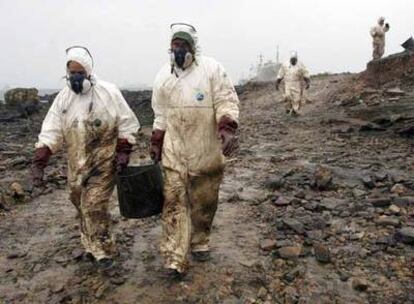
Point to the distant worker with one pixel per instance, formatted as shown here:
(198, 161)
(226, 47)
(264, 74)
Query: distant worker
(296, 78)
(378, 35)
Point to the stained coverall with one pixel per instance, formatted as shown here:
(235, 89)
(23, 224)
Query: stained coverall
(189, 107)
(293, 76)
(91, 125)
(378, 35)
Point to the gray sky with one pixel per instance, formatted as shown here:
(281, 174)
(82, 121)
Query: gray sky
(129, 39)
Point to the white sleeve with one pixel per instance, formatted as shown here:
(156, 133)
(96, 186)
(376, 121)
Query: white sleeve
(128, 124)
(51, 134)
(281, 73)
(373, 31)
(225, 99)
(159, 105)
(305, 72)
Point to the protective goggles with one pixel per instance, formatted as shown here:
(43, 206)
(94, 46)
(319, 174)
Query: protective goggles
(80, 47)
(173, 25)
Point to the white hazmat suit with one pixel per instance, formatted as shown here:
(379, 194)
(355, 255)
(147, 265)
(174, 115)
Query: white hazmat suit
(293, 76)
(188, 104)
(378, 38)
(90, 124)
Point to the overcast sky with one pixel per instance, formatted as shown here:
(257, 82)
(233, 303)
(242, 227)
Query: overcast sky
(129, 39)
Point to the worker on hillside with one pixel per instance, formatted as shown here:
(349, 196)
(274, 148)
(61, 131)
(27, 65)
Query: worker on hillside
(378, 35)
(296, 78)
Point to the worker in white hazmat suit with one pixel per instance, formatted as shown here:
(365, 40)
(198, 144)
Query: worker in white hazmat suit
(378, 35)
(296, 78)
(196, 117)
(97, 126)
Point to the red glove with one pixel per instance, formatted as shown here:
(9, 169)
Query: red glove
(123, 150)
(278, 81)
(307, 83)
(39, 163)
(157, 140)
(227, 131)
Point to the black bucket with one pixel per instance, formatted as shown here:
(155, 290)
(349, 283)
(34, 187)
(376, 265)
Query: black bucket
(140, 191)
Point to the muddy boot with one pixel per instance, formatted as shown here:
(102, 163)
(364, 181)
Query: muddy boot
(88, 257)
(105, 263)
(174, 274)
(201, 256)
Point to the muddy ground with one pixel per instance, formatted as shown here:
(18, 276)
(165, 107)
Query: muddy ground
(313, 209)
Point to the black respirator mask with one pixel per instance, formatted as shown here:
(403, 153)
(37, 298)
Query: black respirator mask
(179, 56)
(79, 83)
(182, 58)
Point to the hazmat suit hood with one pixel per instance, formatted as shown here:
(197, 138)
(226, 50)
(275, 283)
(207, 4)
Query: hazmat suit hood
(293, 55)
(188, 33)
(82, 56)
(381, 19)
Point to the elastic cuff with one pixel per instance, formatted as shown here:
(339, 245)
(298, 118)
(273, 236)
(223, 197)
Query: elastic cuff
(129, 137)
(200, 248)
(177, 266)
(52, 148)
(101, 256)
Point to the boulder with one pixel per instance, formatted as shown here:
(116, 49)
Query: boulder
(18, 96)
(405, 235)
(322, 178)
(20, 103)
(290, 252)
